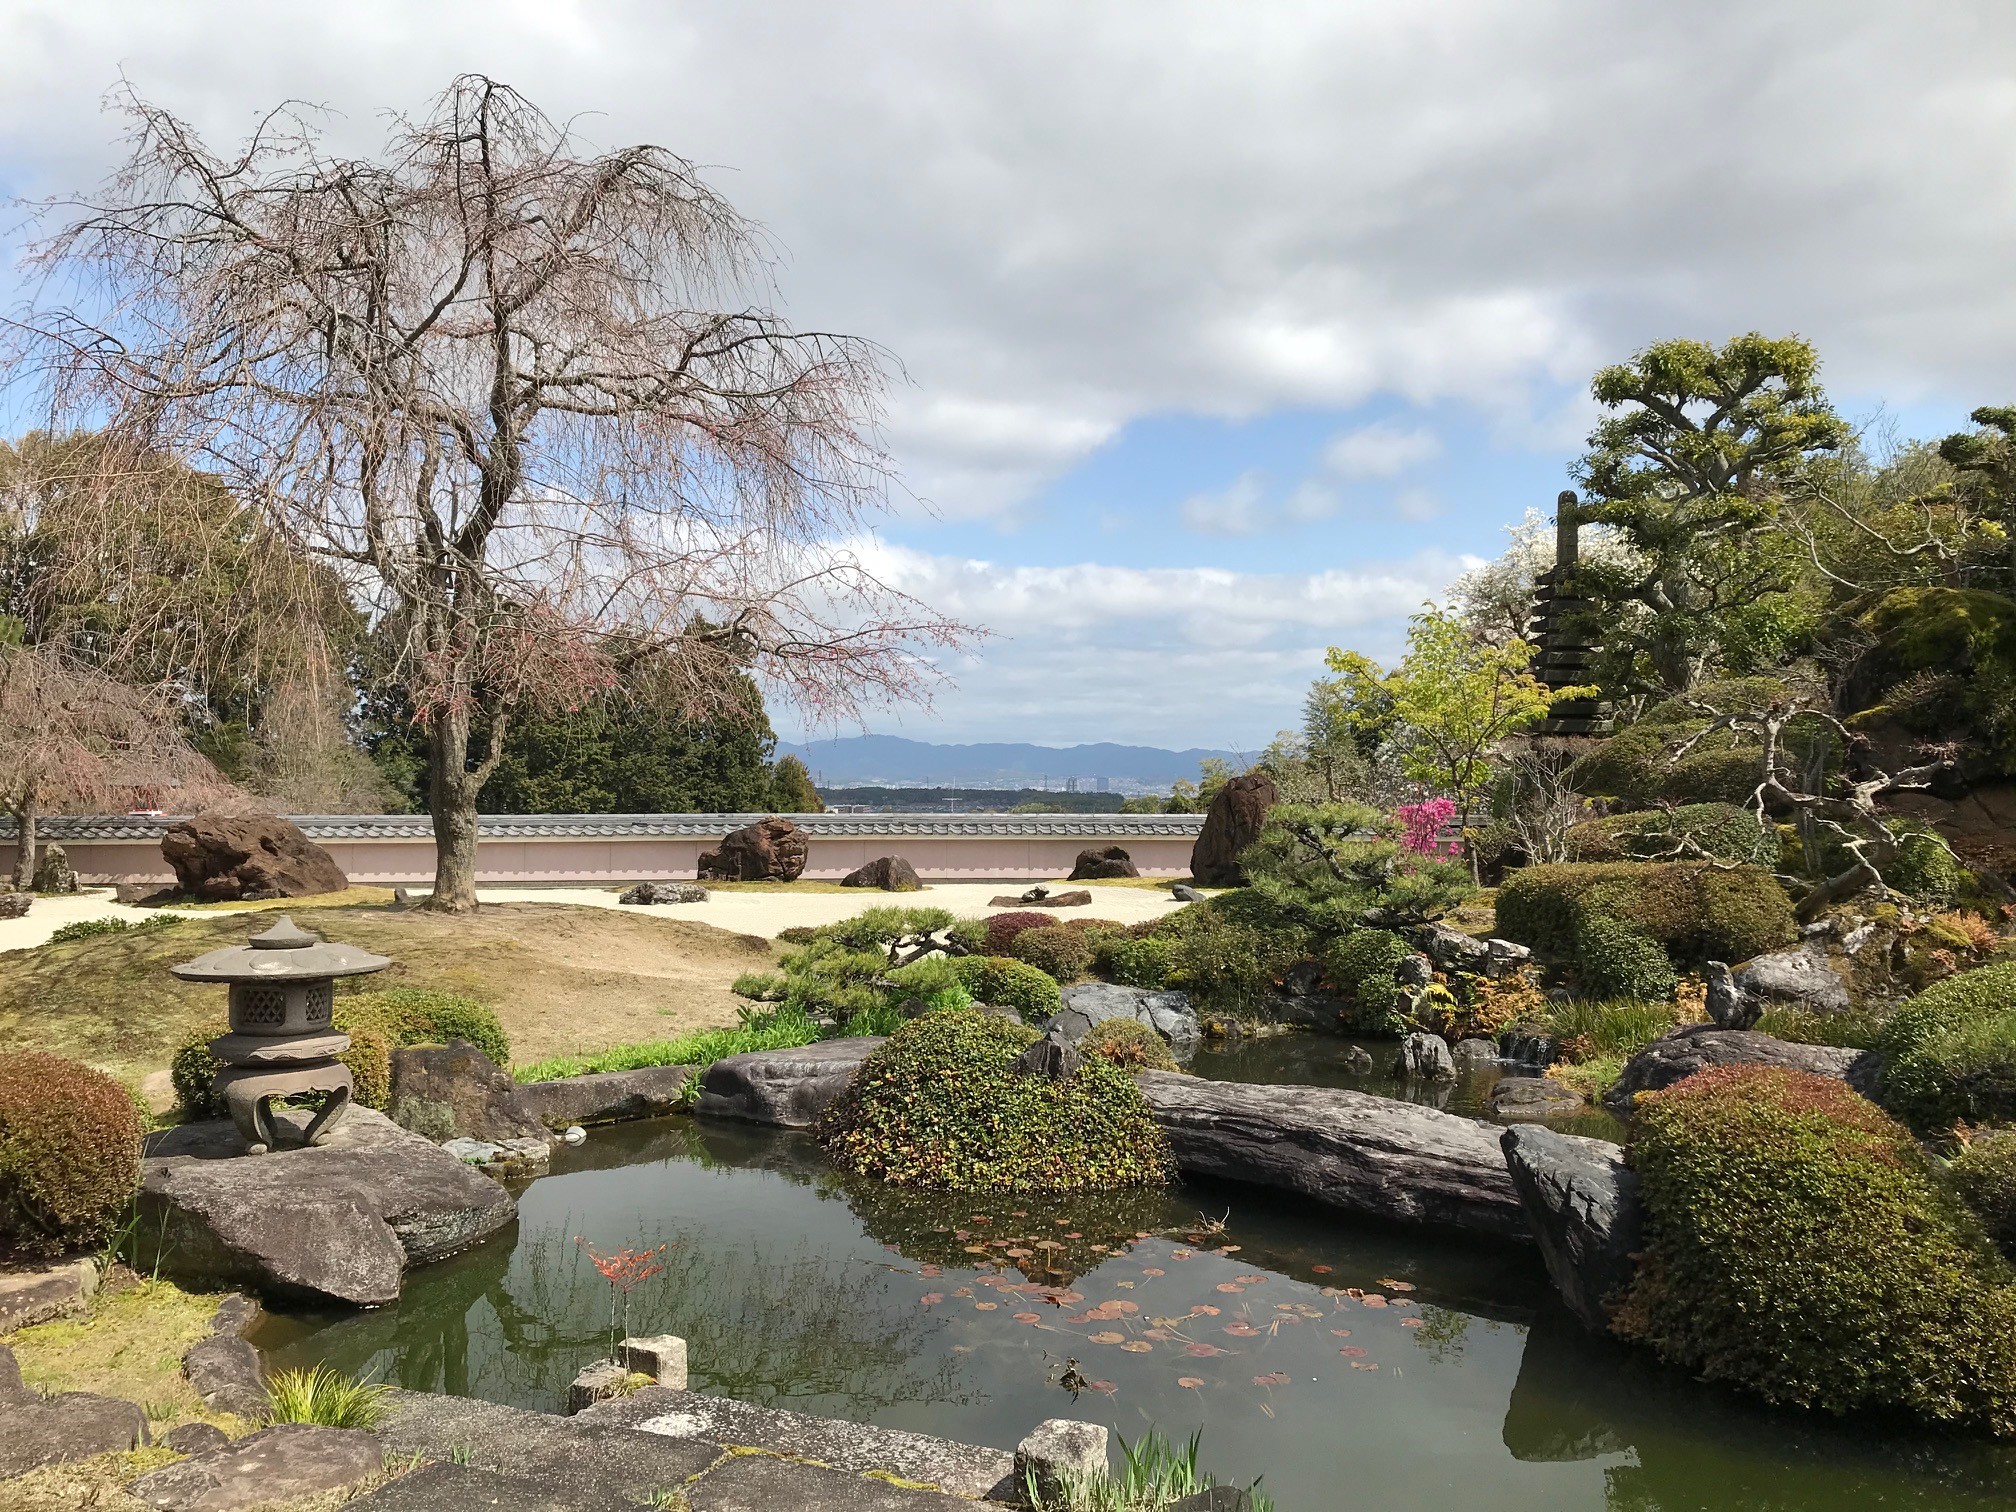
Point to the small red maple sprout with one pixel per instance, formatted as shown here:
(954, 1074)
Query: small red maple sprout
(625, 1270)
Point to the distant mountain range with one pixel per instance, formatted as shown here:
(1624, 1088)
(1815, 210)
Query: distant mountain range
(861, 760)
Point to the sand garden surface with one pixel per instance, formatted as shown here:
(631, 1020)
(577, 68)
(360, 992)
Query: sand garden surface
(567, 969)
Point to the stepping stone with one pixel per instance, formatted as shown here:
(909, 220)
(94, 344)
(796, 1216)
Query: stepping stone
(39, 1293)
(765, 1483)
(53, 1431)
(437, 1487)
(289, 1460)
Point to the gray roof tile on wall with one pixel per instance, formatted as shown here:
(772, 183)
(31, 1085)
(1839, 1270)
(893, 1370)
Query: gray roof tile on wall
(682, 826)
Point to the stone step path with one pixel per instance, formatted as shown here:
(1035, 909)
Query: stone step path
(638, 1451)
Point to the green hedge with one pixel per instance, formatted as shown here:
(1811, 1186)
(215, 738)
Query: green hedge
(1060, 950)
(1614, 958)
(1008, 983)
(1950, 1053)
(1723, 768)
(69, 1154)
(1695, 911)
(942, 1105)
(1800, 1246)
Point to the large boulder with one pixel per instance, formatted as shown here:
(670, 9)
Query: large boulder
(1103, 863)
(338, 1222)
(14, 905)
(1582, 1202)
(1678, 1055)
(1374, 1157)
(1424, 1057)
(455, 1091)
(770, 850)
(608, 1096)
(1169, 1014)
(37, 1430)
(647, 893)
(1798, 978)
(1232, 824)
(1453, 950)
(227, 857)
(788, 1089)
(1533, 1097)
(885, 873)
(53, 871)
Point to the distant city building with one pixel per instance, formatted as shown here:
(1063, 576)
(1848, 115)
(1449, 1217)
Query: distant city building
(1100, 785)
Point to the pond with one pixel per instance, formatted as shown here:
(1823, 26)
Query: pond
(1324, 1060)
(1208, 1307)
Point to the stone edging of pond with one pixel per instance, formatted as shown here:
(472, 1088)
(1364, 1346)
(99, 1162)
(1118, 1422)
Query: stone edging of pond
(224, 1368)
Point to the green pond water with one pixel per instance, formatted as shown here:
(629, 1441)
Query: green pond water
(957, 1316)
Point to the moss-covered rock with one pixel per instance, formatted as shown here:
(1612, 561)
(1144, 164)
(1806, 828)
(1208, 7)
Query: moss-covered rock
(1725, 831)
(1950, 1053)
(1800, 1246)
(943, 1104)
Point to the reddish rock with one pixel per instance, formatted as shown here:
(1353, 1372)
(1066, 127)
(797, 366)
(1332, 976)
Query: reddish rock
(1102, 864)
(1232, 824)
(769, 850)
(227, 857)
(889, 873)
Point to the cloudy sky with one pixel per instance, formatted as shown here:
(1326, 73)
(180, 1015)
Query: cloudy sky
(1231, 331)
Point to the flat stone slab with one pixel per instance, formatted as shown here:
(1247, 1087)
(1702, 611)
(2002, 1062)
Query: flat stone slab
(787, 1089)
(336, 1223)
(56, 1430)
(577, 1459)
(608, 1096)
(35, 1294)
(966, 1470)
(274, 1464)
(765, 1483)
(1533, 1097)
(1371, 1156)
(444, 1485)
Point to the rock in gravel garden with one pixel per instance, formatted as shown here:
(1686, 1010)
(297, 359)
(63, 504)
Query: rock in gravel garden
(225, 857)
(275, 1464)
(664, 892)
(1582, 1201)
(1232, 823)
(771, 849)
(885, 873)
(1102, 864)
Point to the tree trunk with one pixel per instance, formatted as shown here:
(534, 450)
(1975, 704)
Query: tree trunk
(24, 845)
(451, 804)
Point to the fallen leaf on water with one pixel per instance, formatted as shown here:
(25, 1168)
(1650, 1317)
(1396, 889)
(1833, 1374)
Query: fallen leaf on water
(1149, 1270)
(1206, 1310)
(1123, 1283)
(1342, 1333)
(1202, 1351)
(964, 1291)
(1107, 1388)
(1180, 1254)
(1272, 1378)
(1352, 1352)
(1321, 1270)
(1373, 1301)
(1138, 1346)
(1028, 1317)
(1230, 1286)
(1123, 1307)
(976, 1249)
(1354, 1291)
(1160, 1335)
(985, 1306)
(1019, 1253)
(1411, 1322)
(932, 1299)
(1108, 1337)
(1399, 1286)
(1241, 1330)
(1189, 1383)
(1364, 1365)
(1250, 1280)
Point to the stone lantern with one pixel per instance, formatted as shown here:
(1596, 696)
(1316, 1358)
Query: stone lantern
(283, 1041)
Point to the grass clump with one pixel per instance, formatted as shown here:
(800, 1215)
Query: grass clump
(1153, 1473)
(783, 1029)
(1129, 1044)
(1800, 1246)
(69, 1154)
(92, 929)
(1950, 1053)
(327, 1398)
(943, 1105)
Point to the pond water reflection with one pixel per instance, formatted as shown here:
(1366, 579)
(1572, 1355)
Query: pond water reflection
(1462, 1385)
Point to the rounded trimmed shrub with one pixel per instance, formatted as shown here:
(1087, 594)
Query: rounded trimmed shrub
(1984, 1176)
(1617, 959)
(1726, 831)
(942, 1105)
(69, 1154)
(1799, 1245)
(1927, 869)
(1137, 960)
(1128, 1044)
(423, 1016)
(1002, 928)
(1696, 912)
(1008, 983)
(1232, 948)
(190, 1071)
(1950, 1053)
(875, 927)
(1058, 950)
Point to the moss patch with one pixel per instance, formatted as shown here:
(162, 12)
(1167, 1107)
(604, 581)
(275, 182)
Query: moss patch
(130, 1344)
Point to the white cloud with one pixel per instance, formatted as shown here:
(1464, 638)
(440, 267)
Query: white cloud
(1417, 505)
(1385, 449)
(1237, 509)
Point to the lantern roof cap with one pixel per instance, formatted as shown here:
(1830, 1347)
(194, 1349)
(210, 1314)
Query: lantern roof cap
(283, 953)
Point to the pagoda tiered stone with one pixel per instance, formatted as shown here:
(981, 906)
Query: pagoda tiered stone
(283, 1041)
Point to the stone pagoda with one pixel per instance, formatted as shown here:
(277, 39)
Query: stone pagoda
(1563, 627)
(283, 1041)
